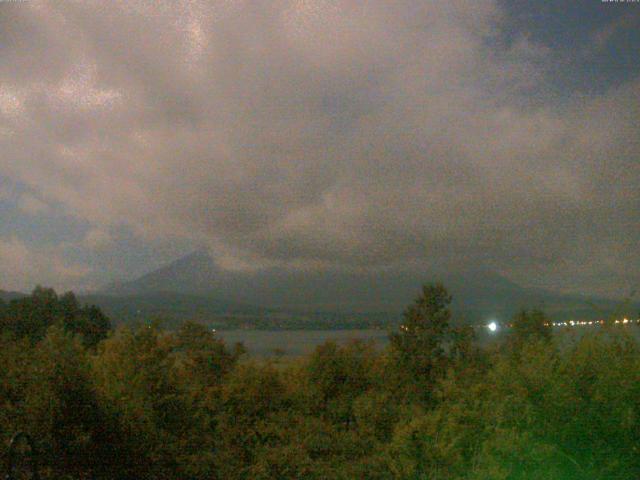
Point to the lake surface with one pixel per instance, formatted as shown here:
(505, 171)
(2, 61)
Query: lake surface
(265, 343)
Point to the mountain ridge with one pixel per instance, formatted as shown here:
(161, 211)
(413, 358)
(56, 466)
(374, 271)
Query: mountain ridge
(476, 293)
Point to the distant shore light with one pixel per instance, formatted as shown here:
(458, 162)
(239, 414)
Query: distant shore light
(493, 326)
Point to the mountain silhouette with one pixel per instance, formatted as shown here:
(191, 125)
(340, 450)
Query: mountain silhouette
(477, 293)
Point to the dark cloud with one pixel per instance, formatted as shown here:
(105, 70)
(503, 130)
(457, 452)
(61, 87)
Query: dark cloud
(323, 133)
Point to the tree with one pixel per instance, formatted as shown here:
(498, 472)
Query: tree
(338, 375)
(253, 396)
(92, 324)
(419, 345)
(46, 391)
(31, 316)
(135, 387)
(87, 321)
(202, 354)
(68, 306)
(3, 316)
(531, 325)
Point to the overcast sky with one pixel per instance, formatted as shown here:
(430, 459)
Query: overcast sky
(321, 134)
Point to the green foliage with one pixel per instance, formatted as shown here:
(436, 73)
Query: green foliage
(337, 376)
(47, 391)
(419, 345)
(199, 353)
(152, 404)
(531, 325)
(545, 413)
(425, 326)
(31, 316)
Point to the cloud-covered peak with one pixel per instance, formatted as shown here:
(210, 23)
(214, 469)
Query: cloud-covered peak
(324, 134)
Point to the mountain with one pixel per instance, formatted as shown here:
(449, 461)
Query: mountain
(477, 293)
(194, 273)
(167, 306)
(8, 296)
(197, 274)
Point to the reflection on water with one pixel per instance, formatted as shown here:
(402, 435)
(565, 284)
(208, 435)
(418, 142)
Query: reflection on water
(265, 343)
(296, 342)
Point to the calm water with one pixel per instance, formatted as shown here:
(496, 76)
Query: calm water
(296, 342)
(265, 343)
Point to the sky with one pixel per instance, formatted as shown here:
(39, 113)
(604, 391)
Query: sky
(321, 134)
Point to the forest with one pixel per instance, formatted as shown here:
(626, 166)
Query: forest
(149, 403)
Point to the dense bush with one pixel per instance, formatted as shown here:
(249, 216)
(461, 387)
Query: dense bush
(151, 404)
(31, 316)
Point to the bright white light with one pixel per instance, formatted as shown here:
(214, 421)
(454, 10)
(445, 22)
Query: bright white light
(493, 326)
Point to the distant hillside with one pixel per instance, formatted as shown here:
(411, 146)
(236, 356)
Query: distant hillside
(166, 306)
(194, 287)
(197, 274)
(194, 273)
(478, 294)
(8, 296)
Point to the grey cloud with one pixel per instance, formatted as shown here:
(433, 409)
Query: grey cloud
(329, 133)
(21, 266)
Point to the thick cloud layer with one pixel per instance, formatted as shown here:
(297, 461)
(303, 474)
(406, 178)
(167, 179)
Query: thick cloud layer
(321, 134)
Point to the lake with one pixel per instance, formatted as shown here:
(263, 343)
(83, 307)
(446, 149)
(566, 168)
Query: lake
(265, 343)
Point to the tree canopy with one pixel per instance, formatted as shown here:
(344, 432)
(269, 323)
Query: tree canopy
(149, 403)
(31, 316)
